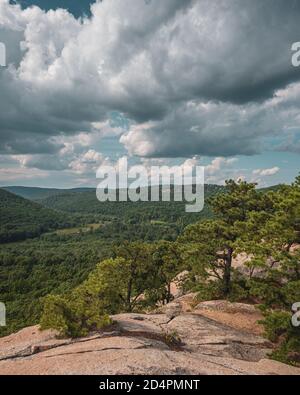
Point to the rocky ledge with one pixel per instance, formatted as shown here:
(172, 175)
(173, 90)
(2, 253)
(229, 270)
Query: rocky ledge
(174, 341)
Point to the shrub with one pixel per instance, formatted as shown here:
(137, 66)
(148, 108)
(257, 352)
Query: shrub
(279, 329)
(73, 316)
(56, 315)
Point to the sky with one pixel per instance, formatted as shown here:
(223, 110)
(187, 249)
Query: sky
(160, 82)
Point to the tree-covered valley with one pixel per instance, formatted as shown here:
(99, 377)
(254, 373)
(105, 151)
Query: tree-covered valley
(83, 260)
(51, 239)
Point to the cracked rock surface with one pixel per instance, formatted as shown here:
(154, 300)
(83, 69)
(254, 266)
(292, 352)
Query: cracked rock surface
(142, 344)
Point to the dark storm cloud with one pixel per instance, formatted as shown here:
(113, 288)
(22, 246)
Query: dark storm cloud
(233, 51)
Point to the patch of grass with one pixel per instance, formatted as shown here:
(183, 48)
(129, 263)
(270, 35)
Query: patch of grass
(173, 340)
(157, 222)
(77, 230)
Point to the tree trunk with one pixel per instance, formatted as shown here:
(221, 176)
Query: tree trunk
(129, 291)
(169, 293)
(227, 272)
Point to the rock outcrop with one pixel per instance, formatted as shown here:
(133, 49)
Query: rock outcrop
(181, 343)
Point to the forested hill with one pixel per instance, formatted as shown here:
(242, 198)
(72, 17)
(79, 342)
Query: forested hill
(34, 193)
(49, 209)
(22, 219)
(85, 202)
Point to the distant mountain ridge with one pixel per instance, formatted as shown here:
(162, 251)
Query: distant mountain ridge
(30, 211)
(86, 202)
(39, 193)
(22, 218)
(36, 193)
(83, 201)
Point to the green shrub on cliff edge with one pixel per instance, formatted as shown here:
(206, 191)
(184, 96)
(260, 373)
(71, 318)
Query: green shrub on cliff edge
(73, 316)
(279, 330)
(114, 286)
(86, 308)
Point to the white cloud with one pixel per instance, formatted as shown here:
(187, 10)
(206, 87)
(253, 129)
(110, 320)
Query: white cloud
(266, 172)
(87, 163)
(218, 164)
(11, 174)
(221, 169)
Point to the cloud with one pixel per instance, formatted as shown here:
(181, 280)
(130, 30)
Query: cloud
(185, 78)
(220, 129)
(88, 163)
(221, 169)
(41, 162)
(214, 129)
(11, 174)
(266, 172)
(218, 164)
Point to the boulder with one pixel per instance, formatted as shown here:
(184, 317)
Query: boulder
(180, 305)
